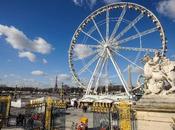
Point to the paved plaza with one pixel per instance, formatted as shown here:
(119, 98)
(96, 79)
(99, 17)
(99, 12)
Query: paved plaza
(72, 116)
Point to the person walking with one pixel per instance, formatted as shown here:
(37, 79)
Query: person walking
(30, 124)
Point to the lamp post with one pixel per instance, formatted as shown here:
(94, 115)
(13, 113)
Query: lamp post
(62, 92)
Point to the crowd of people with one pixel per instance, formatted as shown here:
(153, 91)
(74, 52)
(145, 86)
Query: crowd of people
(20, 120)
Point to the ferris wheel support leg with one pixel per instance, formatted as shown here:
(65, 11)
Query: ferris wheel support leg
(92, 77)
(119, 73)
(97, 82)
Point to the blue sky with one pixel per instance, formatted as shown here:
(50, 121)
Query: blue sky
(46, 28)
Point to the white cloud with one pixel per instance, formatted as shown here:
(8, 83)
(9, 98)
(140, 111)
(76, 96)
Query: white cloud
(5, 76)
(27, 55)
(12, 80)
(38, 73)
(78, 2)
(104, 80)
(12, 75)
(173, 56)
(9, 75)
(9, 60)
(110, 1)
(66, 79)
(41, 46)
(134, 69)
(63, 77)
(91, 3)
(45, 61)
(18, 40)
(82, 51)
(167, 8)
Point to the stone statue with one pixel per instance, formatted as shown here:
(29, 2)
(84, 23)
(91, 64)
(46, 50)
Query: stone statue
(173, 124)
(158, 73)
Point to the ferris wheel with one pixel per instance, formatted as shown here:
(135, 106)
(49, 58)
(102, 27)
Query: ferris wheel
(110, 39)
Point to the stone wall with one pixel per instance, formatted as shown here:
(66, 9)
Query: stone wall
(155, 113)
(146, 120)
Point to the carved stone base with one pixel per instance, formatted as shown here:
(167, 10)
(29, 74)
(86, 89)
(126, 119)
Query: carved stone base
(164, 103)
(155, 112)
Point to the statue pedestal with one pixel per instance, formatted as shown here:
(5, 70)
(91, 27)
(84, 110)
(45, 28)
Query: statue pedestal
(155, 112)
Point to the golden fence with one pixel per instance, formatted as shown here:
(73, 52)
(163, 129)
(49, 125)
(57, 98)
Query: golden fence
(7, 101)
(49, 103)
(122, 107)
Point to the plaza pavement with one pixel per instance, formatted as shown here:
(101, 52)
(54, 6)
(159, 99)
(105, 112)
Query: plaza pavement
(72, 116)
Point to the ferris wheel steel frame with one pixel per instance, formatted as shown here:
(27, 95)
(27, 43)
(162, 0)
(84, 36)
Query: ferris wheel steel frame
(110, 43)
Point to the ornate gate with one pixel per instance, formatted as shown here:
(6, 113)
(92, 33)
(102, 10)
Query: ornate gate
(101, 116)
(35, 113)
(112, 116)
(124, 110)
(58, 115)
(51, 114)
(5, 102)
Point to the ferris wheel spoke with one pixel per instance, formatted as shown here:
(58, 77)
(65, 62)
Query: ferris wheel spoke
(107, 24)
(137, 49)
(131, 24)
(127, 59)
(138, 35)
(99, 75)
(98, 29)
(106, 67)
(91, 37)
(119, 73)
(118, 22)
(93, 76)
(88, 65)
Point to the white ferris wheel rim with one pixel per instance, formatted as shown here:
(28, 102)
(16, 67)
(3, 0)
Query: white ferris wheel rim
(124, 5)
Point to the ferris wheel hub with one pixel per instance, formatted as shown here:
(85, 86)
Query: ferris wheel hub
(106, 45)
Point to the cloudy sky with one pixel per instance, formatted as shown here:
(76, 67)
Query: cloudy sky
(35, 36)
